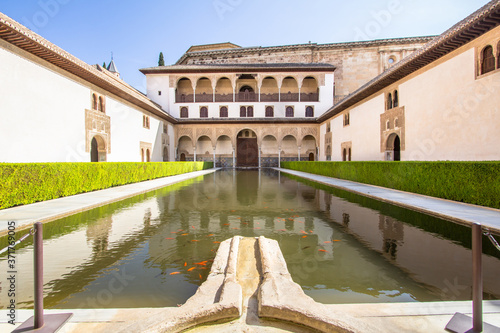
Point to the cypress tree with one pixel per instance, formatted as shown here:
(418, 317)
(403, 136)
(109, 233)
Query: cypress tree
(161, 61)
(104, 64)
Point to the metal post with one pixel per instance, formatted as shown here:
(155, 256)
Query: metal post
(477, 278)
(38, 259)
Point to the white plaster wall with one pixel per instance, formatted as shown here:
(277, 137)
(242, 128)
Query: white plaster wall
(157, 83)
(363, 131)
(42, 112)
(451, 115)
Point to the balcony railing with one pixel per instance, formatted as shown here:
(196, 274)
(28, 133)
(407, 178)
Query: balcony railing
(290, 97)
(223, 97)
(184, 98)
(246, 97)
(311, 97)
(269, 97)
(204, 98)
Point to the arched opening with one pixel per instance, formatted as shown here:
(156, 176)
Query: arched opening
(100, 107)
(488, 60)
(397, 149)
(148, 155)
(247, 149)
(97, 149)
(396, 99)
(289, 90)
(269, 111)
(309, 111)
(344, 155)
(184, 112)
(309, 91)
(269, 151)
(224, 90)
(389, 101)
(269, 91)
(393, 148)
(223, 112)
(203, 112)
(224, 151)
(94, 102)
(289, 111)
(328, 153)
(185, 148)
(184, 92)
(204, 148)
(142, 155)
(308, 146)
(246, 111)
(311, 157)
(289, 148)
(204, 91)
(246, 86)
(349, 154)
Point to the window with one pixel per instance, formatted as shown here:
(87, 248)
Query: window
(346, 119)
(487, 60)
(389, 101)
(94, 102)
(165, 128)
(309, 111)
(159, 92)
(203, 112)
(289, 111)
(184, 112)
(396, 99)
(246, 111)
(223, 112)
(100, 107)
(328, 129)
(388, 125)
(269, 111)
(145, 121)
(396, 123)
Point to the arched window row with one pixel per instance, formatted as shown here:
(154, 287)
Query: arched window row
(145, 121)
(487, 60)
(245, 112)
(247, 90)
(392, 100)
(98, 103)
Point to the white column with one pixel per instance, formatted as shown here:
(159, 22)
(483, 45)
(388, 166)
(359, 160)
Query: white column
(214, 96)
(259, 155)
(279, 157)
(194, 150)
(299, 154)
(234, 160)
(214, 157)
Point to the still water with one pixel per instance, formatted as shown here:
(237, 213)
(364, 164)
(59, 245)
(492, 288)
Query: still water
(155, 249)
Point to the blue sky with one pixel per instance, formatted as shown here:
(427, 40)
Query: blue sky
(136, 31)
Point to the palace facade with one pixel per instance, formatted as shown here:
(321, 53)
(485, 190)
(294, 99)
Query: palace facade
(422, 98)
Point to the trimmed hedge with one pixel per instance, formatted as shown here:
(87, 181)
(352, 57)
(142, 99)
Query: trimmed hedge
(25, 183)
(471, 182)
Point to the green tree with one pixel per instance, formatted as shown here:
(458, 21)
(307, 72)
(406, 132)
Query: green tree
(104, 64)
(161, 61)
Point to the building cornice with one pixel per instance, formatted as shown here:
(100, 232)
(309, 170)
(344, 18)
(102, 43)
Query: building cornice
(27, 40)
(193, 121)
(475, 25)
(239, 68)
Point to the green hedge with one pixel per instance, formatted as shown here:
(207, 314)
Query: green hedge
(25, 183)
(471, 182)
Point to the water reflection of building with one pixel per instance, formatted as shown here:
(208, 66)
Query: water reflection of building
(392, 233)
(98, 233)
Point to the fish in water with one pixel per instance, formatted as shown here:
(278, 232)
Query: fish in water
(190, 269)
(304, 236)
(174, 273)
(321, 250)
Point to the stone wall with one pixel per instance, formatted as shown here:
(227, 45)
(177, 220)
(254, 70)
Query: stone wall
(357, 63)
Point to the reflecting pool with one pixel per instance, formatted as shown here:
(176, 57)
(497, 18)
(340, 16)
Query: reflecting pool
(155, 249)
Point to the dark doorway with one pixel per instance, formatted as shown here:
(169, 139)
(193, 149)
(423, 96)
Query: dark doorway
(247, 149)
(183, 157)
(94, 151)
(397, 149)
(311, 157)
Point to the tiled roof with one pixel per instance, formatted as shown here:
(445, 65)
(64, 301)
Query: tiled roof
(475, 25)
(27, 40)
